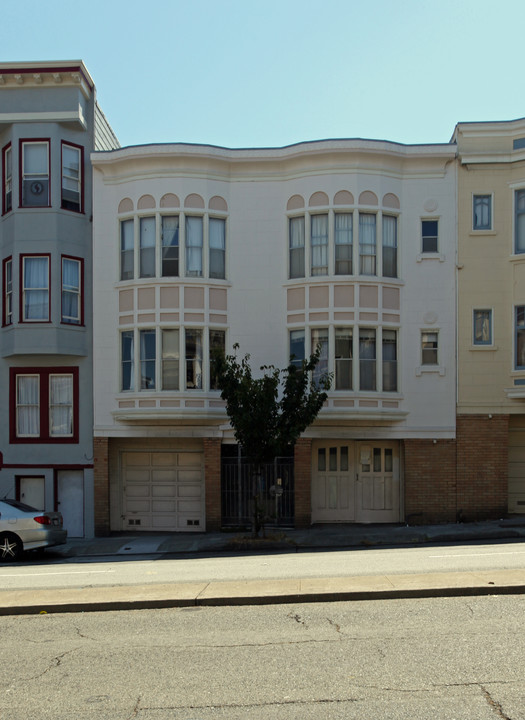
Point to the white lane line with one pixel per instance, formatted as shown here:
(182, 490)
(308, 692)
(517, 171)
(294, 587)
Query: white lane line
(74, 572)
(522, 552)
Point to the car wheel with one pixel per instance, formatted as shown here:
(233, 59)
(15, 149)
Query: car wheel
(10, 547)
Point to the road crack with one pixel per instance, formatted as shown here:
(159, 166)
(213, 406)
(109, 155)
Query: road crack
(494, 704)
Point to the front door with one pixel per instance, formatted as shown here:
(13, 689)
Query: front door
(70, 496)
(333, 482)
(378, 487)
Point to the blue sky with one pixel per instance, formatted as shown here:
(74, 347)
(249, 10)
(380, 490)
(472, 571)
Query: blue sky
(259, 74)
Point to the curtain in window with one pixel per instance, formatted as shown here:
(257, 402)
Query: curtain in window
(127, 243)
(147, 359)
(60, 405)
(147, 247)
(128, 360)
(27, 406)
(389, 246)
(70, 291)
(217, 248)
(170, 359)
(170, 246)
(343, 243)
(389, 361)
(367, 244)
(194, 359)
(36, 292)
(296, 247)
(367, 359)
(319, 242)
(194, 246)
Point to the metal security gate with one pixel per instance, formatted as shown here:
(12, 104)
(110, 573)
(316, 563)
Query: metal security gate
(275, 487)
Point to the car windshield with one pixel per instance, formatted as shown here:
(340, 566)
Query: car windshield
(19, 505)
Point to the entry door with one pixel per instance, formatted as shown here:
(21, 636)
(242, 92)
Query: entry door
(70, 497)
(378, 488)
(32, 491)
(333, 482)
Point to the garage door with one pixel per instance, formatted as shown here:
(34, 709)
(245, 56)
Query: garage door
(163, 491)
(516, 467)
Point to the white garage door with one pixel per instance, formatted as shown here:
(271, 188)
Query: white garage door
(163, 491)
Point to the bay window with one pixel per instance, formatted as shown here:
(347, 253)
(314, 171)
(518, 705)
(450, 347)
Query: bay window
(389, 246)
(35, 288)
(7, 316)
(127, 249)
(389, 343)
(147, 247)
(367, 244)
(193, 350)
(519, 222)
(296, 247)
(7, 179)
(343, 243)
(194, 244)
(35, 173)
(367, 359)
(319, 245)
(319, 339)
(72, 177)
(519, 330)
(170, 246)
(147, 359)
(71, 291)
(217, 247)
(170, 359)
(297, 349)
(343, 358)
(127, 359)
(217, 345)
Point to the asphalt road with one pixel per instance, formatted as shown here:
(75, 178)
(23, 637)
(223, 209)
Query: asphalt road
(455, 658)
(115, 571)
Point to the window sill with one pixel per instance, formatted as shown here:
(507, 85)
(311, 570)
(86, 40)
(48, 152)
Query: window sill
(479, 233)
(489, 348)
(430, 256)
(426, 369)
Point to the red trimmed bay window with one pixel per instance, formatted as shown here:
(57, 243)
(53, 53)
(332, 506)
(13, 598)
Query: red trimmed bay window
(34, 177)
(43, 405)
(7, 179)
(7, 291)
(72, 311)
(35, 284)
(72, 193)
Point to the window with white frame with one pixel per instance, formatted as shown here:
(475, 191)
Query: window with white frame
(148, 353)
(482, 327)
(519, 342)
(217, 345)
(296, 247)
(429, 347)
(127, 359)
(343, 358)
(343, 242)
(170, 359)
(72, 176)
(389, 360)
(194, 246)
(127, 250)
(482, 212)
(319, 339)
(297, 347)
(319, 245)
(519, 229)
(194, 355)
(429, 236)
(44, 403)
(217, 248)
(35, 173)
(35, 288)
(7, 179)
(367, 244)
(367, 359)
(389, 242)
(170, 245)
(8, 292)
(71, 291)
(147, 247)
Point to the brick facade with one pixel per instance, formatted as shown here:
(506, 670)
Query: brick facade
(430, 481)
(212, 481)
(101, 485)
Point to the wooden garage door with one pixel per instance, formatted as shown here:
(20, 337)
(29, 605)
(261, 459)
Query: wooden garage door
(163, 491)
(516, 467)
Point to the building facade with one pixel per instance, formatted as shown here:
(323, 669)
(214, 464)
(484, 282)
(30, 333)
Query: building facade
(49, 124)
(348, 244)
(491, 317)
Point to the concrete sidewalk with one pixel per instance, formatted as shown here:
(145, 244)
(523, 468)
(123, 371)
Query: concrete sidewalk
(273, 591)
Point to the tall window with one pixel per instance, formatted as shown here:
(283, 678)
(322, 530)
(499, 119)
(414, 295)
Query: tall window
(147, 359)
(170, 246)
(482, 327)
(127, 249)
(343, 243)
(7, 180)
(35, 173)
(127, 359)
(343, 358)
(147, 247)
(482, 212)
(296, 247)
(519, 330)
(71, 291)
(44, 404)
(519, 246)
(429, 236)
(170, 359)
(367, 244)
(297, 349)
(35, 288)
(8, 292)
(193, 346)
(429, 348)
(194, 243)
(389, 341)
(389, 246)
(319, 244)
(217, 344)
(72, 172)
(217, 247)
(367, 359)
(320, 338)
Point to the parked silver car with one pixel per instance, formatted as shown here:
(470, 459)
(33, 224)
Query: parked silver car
(24, 528)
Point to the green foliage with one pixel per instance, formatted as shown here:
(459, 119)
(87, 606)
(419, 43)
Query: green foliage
(269, 413)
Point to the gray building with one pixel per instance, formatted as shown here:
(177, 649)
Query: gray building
(49, 124)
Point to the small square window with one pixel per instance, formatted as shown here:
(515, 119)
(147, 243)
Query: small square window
(482, 327)
(482, 212)
(429, 236)
(429, 348)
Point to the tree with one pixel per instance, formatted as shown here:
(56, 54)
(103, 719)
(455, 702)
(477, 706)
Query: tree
(269, 413)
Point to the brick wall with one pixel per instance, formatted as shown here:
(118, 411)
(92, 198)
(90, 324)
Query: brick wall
(212, 482)
(482, 476)
(101, 485)
(430, 481)
(303, 482)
